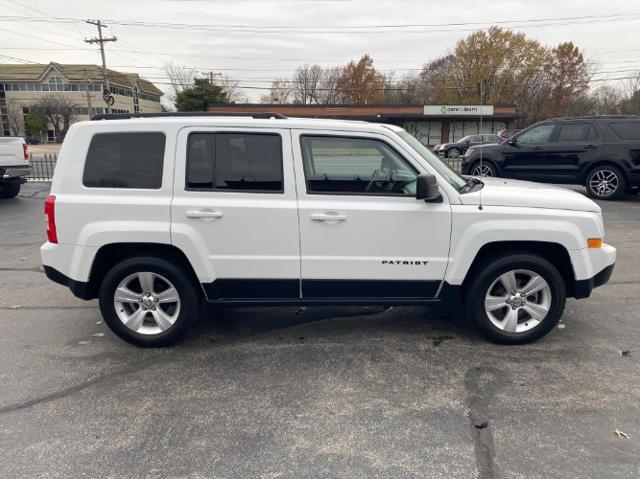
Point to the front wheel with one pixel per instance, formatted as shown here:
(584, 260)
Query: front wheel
(148, 301)
(605, 183)
(483, 169)
(516, 299)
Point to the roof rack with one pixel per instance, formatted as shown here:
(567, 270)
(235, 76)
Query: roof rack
(179, 114)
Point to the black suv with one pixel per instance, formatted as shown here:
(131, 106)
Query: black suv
(600, 152)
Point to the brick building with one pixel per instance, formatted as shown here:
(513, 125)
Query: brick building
(431, 124)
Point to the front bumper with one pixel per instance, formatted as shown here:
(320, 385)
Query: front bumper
(583, 287)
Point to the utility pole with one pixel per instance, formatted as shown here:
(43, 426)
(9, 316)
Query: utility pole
(108, 99)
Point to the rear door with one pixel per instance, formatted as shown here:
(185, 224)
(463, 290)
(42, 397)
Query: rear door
(363, 234)
(575, 144)
(526, 156)
(235, 210)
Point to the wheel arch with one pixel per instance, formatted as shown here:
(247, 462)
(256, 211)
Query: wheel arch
(113, 253)
(555, 253)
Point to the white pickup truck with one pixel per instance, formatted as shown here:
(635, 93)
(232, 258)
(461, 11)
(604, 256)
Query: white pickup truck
(14, 165)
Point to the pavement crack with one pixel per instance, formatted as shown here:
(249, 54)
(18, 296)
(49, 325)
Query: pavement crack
(36, 269)
(105, 379)
(481, 384)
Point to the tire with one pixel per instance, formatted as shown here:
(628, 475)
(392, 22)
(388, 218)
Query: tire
(486, 169)
(499, 325)
(605, 182)
(9, 189)
(169, 321)
(453, 153)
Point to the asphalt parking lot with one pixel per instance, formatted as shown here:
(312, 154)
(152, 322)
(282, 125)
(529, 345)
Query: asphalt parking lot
(316, 392)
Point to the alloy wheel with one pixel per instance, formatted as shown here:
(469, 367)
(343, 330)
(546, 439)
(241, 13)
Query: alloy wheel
(482, 169)
(518, 301)
(147, 303)
(604, 183)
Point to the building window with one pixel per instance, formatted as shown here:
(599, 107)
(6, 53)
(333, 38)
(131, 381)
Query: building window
(56, 83)
(136, 102)
(429, 133)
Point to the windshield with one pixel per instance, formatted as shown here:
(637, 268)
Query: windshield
(453, 178)
(462, 140)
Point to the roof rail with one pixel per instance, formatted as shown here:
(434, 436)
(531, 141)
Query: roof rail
(179, 114)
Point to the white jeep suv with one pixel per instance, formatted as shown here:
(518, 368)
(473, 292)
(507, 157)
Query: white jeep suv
(155, 213)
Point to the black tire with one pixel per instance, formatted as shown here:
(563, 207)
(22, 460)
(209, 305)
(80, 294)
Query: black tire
(490, 169)
(453, 153)
(484, 276)
(9, 189)
(190, 300)
(605, 170)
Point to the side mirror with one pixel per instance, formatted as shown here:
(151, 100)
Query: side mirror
(512, 141)
(427, 188)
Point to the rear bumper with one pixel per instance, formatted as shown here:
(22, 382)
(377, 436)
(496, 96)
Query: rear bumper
(583, 287)
(79, 289)
(13, 173)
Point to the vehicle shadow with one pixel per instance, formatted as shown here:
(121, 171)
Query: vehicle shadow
(322, 322)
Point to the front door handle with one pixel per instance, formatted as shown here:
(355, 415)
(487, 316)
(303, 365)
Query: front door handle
(329, 217)
(205, 214)
(590, 147)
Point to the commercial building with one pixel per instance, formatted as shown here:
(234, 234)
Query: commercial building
(82, 85)
(431, 124)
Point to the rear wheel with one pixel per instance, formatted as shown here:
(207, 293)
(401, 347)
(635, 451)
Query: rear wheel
(516, 299)
(148, 301)
(605, 182)
(9, 189)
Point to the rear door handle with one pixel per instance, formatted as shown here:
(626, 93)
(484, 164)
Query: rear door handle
(329, 217)
(205, 214)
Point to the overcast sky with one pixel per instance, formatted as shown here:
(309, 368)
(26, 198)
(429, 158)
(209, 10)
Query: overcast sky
(255, 41)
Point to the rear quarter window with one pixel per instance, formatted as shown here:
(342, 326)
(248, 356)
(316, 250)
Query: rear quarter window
(125, 160)
(626, 130)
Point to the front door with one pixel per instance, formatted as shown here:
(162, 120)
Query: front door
(363, 234)
(235, 211)
(526, 156)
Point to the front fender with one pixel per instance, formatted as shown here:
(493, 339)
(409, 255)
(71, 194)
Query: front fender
(474, 228)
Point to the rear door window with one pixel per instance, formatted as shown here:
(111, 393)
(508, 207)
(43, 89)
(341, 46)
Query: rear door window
(125, 160)
(235, 162)
(626, 130)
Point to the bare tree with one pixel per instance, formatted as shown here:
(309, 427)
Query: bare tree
(179, 77)
(280, 92)
(327, 93)
(15, 116)
(306, 82)
(59, 112)
(232, 87)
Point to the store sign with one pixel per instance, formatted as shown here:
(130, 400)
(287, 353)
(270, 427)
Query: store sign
(458, 110)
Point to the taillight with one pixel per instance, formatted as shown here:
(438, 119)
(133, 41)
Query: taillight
(50, 219)
(25, 150)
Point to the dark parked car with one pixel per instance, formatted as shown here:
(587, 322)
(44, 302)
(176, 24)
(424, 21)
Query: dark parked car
(600, 152)
(454, 150)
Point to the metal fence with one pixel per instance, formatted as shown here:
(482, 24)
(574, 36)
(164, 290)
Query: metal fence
(454, 163)
(42, 167)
